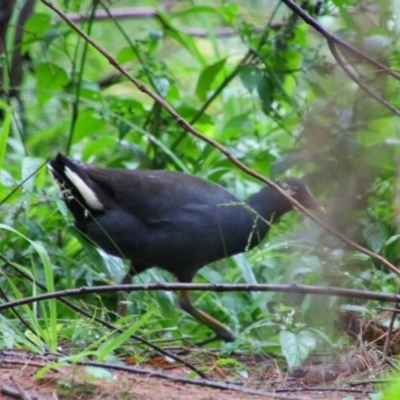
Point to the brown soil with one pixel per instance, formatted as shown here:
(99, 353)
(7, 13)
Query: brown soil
(18, 380)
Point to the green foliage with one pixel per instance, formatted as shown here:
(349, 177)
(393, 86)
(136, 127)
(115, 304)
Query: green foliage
(271, 93)
(296, 347)
(393, 392)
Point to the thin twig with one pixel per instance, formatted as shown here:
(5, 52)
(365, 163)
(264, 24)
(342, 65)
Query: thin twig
(21, 392)
(11, 391)
(389, 332)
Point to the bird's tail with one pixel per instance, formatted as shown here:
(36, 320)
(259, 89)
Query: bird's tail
(76, 186)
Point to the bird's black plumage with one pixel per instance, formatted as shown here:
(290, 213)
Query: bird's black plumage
(169, 219)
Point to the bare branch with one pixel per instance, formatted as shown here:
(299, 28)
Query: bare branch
(265, 287)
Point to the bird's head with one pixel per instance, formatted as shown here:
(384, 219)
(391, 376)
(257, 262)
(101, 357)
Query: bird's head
(299, 190)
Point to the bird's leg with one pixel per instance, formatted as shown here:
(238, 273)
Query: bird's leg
(122, 306)
(221, 331)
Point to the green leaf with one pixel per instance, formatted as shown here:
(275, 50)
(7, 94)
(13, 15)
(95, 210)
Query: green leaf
(48, 367)
(296, 346)
(126, 54)
(251, 77)
(162, 85)
(375, 234)
(50, 79)
(266, 90)
(100, 373)
(184, 40)
(88, 123)
(34, 29)
(229, 11)
(113, 343)
(207, 77)
(29, 166)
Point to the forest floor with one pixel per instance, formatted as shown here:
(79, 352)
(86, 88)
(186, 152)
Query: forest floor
(164, 380)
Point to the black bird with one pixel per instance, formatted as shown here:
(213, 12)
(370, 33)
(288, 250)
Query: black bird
(170, 220)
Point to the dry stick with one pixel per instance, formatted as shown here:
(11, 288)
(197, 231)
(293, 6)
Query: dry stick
(108, 324)
(394, 310)
(169, 287)
(21, 392)
(325, 389)
(189, 128)
(389, 332)
(15, 394)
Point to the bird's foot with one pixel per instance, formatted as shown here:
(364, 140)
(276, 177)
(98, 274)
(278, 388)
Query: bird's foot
(226, 336)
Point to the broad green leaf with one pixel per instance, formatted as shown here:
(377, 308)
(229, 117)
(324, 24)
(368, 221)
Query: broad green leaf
(207, 78)
(34, 29)
(251, 77)
(162, 85)
(375, 233)
(50, 79)
(88, 123)
(296, 346)
(126, 54)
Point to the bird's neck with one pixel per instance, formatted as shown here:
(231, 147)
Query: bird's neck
(270, 204)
